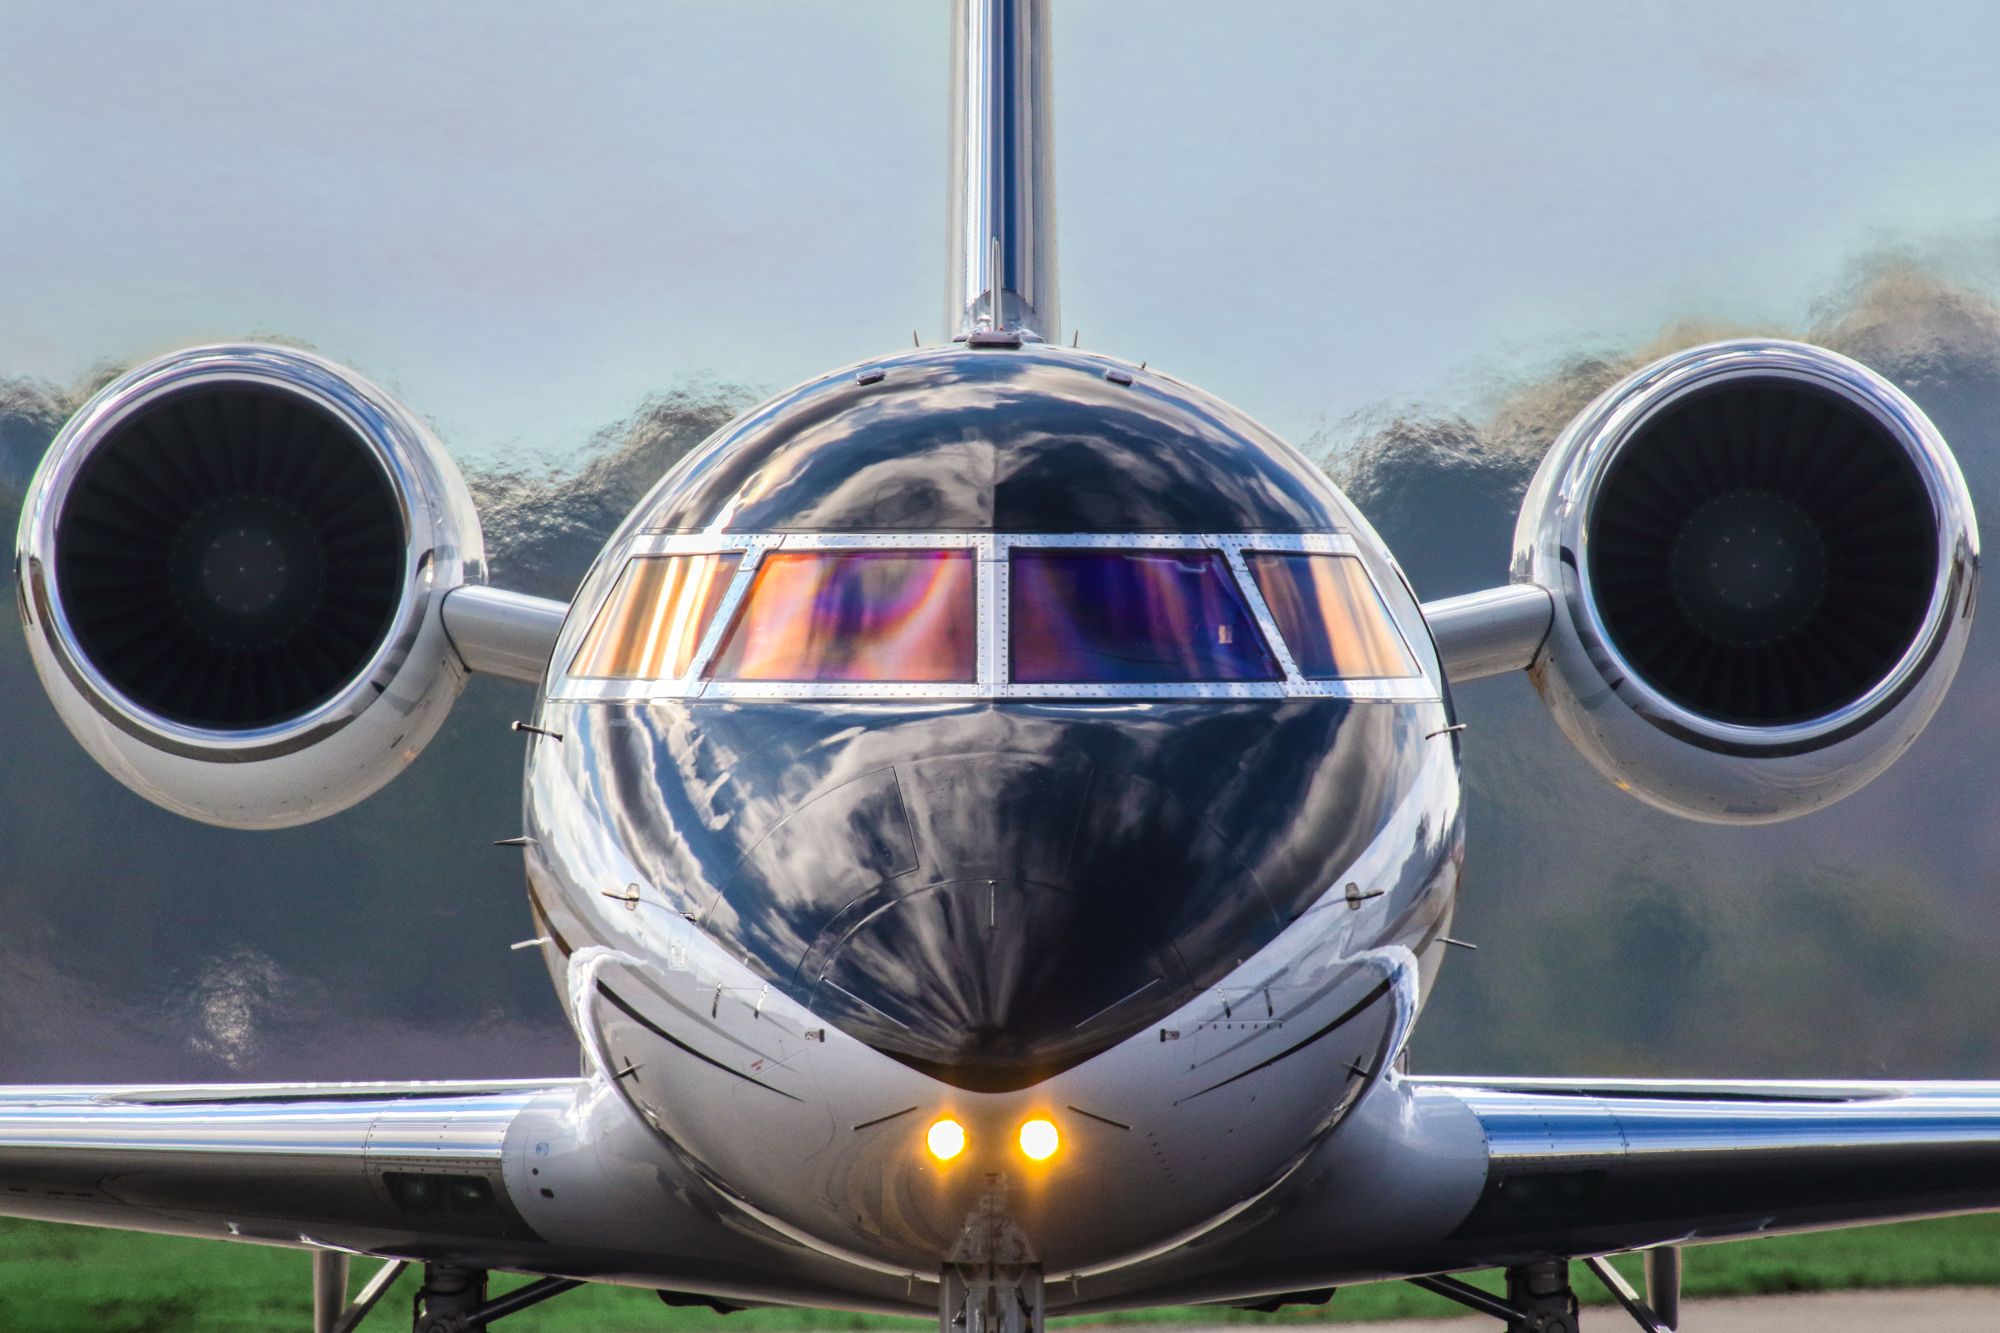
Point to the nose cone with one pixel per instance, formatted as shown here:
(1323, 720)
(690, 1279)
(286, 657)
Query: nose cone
(993, 985)
(1054, 908)
(994, 894)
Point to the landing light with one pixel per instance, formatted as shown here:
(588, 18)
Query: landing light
(1039, 1140)
(946, 1139)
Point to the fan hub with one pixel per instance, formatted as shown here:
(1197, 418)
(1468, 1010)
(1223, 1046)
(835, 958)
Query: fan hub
(1749, 567)
(247, 571)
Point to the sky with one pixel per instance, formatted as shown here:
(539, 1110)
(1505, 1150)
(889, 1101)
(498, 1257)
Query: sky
(525, 219)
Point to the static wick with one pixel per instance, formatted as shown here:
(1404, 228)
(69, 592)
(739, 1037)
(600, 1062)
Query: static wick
(523, 841)
(529, 944)
(1355, 897)
(1458, 944)
(1446, 731)
(539, 731)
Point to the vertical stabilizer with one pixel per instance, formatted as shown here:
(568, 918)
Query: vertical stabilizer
(1002, 274)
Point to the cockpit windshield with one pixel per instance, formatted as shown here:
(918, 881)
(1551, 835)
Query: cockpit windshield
(1330, 616)
(972, 616)
(654, 619)
(844, 616)
(1131, 617)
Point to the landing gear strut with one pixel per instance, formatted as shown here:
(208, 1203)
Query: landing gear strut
(1540, 1299)
(448, 1299)
(993, 1282)
(1542, 1293)
(451, 1300)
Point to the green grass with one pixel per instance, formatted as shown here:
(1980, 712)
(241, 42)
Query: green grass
(57, 1279)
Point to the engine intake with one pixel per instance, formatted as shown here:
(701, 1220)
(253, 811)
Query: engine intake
(1763, 558)
(230, 556)
(231, 566)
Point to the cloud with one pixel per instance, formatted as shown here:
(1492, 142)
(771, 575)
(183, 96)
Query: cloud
(544, 528)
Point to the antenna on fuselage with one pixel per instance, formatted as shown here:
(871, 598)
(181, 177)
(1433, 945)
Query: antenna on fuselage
(1001, 279)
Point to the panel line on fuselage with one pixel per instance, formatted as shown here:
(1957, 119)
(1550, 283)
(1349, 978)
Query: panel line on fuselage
(619, 1002)
(1336, 1023)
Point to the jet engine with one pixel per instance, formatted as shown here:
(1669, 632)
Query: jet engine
(1763, 562)
(230, 567)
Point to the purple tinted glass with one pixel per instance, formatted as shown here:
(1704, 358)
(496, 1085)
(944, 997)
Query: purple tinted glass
(1129, 618)
(855, 616)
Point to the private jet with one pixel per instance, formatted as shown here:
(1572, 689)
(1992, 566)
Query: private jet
(993, 816)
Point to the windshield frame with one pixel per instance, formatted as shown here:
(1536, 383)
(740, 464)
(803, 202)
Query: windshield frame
(991, 591)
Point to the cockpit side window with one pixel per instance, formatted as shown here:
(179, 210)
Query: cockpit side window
(1330, 616)
(655, 617)
(1116, 616)
(905, 616)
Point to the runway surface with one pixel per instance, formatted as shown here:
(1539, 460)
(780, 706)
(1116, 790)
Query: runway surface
(1945, 1310)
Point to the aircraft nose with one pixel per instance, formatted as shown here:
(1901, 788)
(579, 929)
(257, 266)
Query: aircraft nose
(995, 917)
(990, 984)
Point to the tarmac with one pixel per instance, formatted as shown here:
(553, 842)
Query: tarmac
(1940, 1310)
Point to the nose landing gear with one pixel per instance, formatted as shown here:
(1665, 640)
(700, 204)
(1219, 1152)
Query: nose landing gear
(992, 1283)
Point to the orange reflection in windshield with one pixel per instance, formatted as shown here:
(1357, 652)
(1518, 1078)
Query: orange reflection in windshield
(654, 619)
(855, 616)
(1330, 616)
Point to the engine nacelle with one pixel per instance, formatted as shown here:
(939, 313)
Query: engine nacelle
(230, 569)
(1763, 561)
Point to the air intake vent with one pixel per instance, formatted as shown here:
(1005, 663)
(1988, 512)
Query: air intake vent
(1763, 552)
(230, 557)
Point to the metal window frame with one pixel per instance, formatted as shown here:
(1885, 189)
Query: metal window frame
(992, 589)
(1235, 548)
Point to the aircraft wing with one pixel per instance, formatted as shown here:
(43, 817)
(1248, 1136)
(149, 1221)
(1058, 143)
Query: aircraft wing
(1588, 1166)
(306, 1164)
(551, 1176)
(1434, 1175)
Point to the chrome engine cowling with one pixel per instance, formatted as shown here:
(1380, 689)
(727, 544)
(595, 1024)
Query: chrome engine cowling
(1763, 560)
(230, 569)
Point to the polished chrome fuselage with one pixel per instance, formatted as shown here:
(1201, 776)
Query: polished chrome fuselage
(1169, 1130)
(1233, 896)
